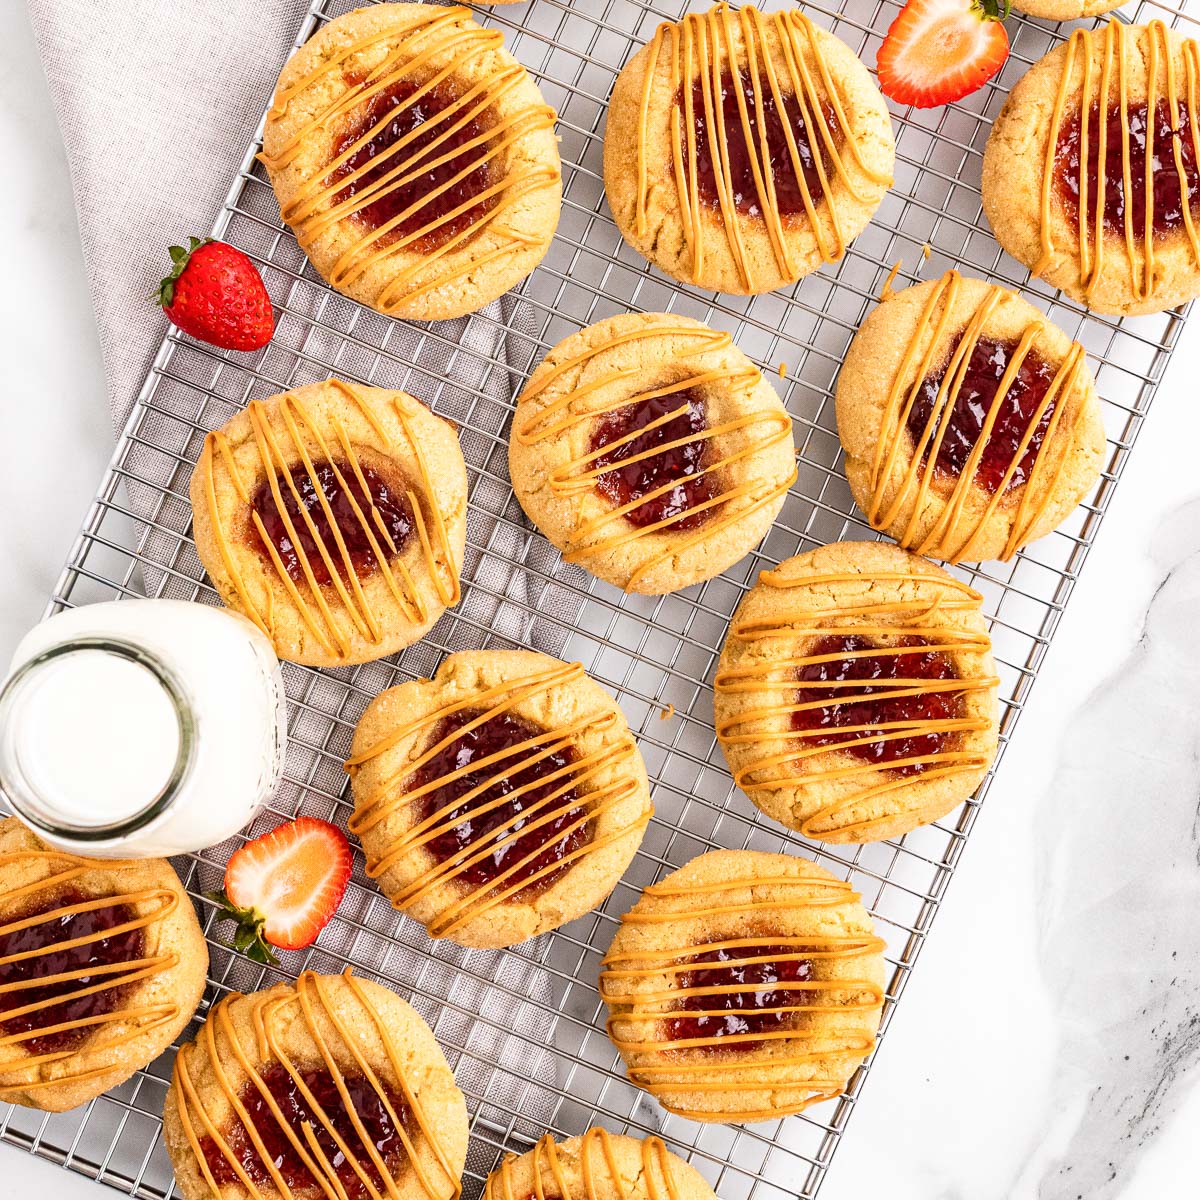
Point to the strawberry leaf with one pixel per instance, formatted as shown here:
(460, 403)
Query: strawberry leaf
(248, 937)
(164, 294)
(993, 10)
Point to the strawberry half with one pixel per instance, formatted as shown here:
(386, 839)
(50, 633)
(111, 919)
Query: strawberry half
(937, 51)
(283, 887)
(215, 294)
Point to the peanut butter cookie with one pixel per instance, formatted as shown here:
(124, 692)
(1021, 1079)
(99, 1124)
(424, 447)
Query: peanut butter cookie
(856, 693)
(331, 1086)
(744, 987)
(414, 159)
(744, 149)
(102, 964)
(334, 517)
(1112, 218)
(499, 799)
(598, 1166)
(649, 449)
(1055, 10)
(971, 424)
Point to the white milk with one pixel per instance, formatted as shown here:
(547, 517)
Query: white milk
(141, 727)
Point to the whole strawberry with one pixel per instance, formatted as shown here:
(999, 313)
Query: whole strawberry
(215, 293)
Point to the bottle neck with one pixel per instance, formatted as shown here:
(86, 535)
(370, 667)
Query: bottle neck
(97, 738)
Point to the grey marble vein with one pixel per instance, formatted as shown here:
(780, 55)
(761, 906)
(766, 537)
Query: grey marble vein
(1119, 881)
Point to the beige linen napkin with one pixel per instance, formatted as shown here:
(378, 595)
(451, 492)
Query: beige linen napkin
(156, 100)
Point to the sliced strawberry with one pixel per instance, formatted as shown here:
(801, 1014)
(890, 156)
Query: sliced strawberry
(283, 887)
(937, 51)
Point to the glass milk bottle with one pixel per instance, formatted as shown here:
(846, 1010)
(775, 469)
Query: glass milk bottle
(141, 727)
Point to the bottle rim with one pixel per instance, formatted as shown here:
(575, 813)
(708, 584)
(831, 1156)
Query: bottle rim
(22, 797)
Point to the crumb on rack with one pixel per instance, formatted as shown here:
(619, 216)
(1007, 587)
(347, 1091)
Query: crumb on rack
(783, 370)
(667, 713)
(926, 250)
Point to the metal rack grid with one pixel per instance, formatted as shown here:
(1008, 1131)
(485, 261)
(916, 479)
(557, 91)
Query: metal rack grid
(523, 1028)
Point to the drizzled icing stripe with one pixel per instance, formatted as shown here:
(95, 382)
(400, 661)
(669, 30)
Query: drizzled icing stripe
(580, 475)
(271, 1018)
(140, 1019)
(393, 794)
(597, 1154)
(332, 613)
(1113, 89)
(313, 209)
(780, 764)
(701, 47)
(954, 535)
(771, 1066)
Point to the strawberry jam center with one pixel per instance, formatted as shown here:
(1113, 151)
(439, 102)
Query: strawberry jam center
(533, 800)
(386, 508)
(54, 1001)
(743, 147)
(649, 461)
(1165, 189)
(965, 418)
(869, 697)
(754, 1007)
(431, 186)
(298, 1111)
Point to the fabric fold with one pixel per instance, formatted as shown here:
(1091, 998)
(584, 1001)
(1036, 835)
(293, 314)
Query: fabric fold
(156, 103)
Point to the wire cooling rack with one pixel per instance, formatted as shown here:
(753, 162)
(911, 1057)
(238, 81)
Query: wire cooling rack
(523, 1028)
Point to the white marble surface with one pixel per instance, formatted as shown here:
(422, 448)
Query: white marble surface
(1048, 1041)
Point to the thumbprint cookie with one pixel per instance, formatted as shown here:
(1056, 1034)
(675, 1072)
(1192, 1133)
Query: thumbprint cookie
(334, 517)
(597, 1166)
(971, 424)
(856, 693)
(499, 799)
(414, 159)
(745, 149)
(102, 964)
(650, 450)
(1106, 210)
(744, 987)
(331, 1086)
(1065, 10)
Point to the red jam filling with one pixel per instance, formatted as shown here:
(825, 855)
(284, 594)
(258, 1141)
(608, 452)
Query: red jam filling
(674, 468)
(88, 957)
(391, 506)
(966, 416)
(369, 1107)
(743, 152)
(1167, 195)
(443, 163)
(753, 1010)
(879, 674)
(526, 794)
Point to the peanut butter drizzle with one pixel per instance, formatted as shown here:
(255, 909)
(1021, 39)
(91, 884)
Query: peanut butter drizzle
(672, 1071)
(579, 476)
(313, 210)
(1081, 51)
(953, 536)
(271, 1017)
(333, 611)
(392, 795)
(596, 1155)
(699, 46)
(780, 765)
(140, 1019)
